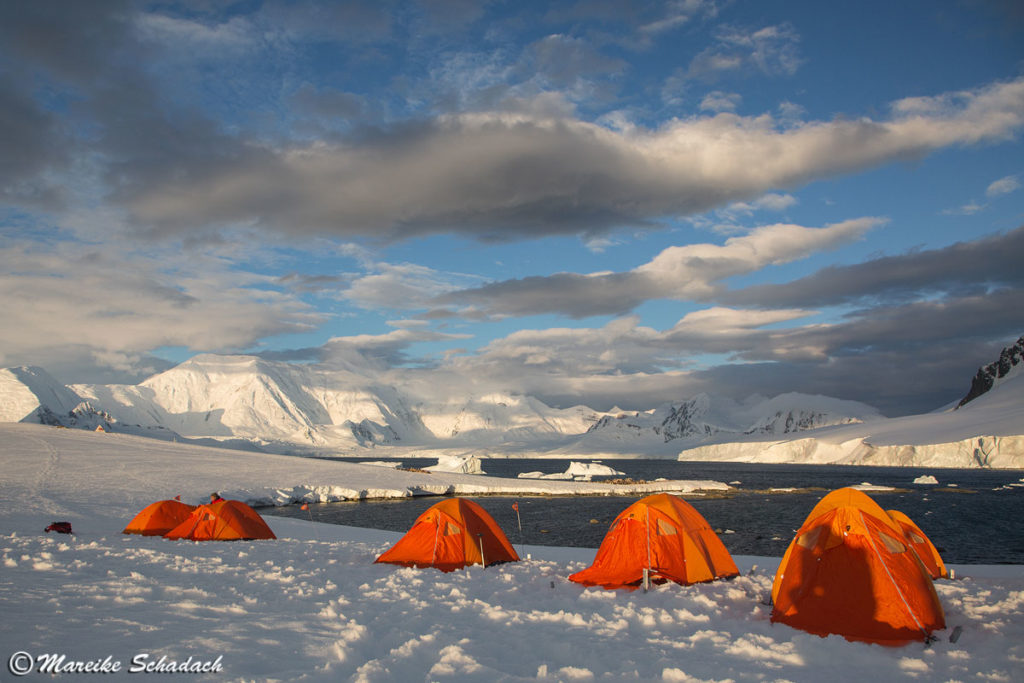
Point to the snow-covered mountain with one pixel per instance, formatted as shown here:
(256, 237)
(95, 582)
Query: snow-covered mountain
(987, 431)
(245, 400)
(342, 409)
(281, 405)
(991, 375)
(30, 394)
(705, 416)
(504, 418)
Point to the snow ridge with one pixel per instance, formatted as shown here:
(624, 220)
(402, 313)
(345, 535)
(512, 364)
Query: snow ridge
(996, 372)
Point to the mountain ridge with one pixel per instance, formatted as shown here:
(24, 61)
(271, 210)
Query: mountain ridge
(277, 405)
(249, 402)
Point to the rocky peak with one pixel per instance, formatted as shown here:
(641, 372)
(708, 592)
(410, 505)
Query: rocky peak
(990, 374)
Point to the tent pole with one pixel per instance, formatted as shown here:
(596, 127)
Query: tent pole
(483, 562)
(647, 571)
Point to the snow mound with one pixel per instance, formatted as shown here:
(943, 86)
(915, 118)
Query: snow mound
(460, 464)
(926, 479)
(868, 486)
(577, 471)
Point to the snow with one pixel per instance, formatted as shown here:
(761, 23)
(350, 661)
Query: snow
(926, 479)
(23, 390)
(868, 486)
(256, 404)
(463, 464)
(576, 471)
(312, 606)
(987, 432)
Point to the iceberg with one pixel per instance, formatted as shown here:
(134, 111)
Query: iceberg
(458, 464)
(577, 471)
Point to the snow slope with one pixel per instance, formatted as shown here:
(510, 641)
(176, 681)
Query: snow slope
(312, 606)
(30, 393)
(1008, 365)
(986, 432)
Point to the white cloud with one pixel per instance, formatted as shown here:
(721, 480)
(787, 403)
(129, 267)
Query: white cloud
(771, 50)
(719, 101)
(187, 37)
(728, 217)
(694, 272)
(403, 286)
(968, 209)
(1003, 186)
(119, 304)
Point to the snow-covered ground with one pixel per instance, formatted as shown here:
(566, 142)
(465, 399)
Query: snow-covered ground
(987, 432)
(312, 606)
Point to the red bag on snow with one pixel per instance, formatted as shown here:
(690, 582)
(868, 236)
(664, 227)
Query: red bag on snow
(60, 528)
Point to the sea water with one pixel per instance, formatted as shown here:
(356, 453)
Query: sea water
(973, 516)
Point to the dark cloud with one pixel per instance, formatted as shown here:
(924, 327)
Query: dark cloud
(500, 176)
(689, 272)
(330, 103)
(493, 175)
(31, 141)
(69, 41)
(902, 359)
(578, 296)
(994, 261)
(50, 55)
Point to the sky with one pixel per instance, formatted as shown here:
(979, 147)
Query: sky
(615, 204)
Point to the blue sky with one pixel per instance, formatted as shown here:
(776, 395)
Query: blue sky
(610, 203)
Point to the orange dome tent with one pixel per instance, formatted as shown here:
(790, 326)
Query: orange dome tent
(920, 544)
(225, 520)
(848, 571)
(156, 519)
(665, 535)
(449, 536)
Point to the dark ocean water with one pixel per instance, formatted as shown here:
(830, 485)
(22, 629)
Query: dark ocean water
(973, 516)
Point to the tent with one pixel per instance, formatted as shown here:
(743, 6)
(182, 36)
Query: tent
(225, 520)
(920, 544)
(449, 536)
(665, 535)
(848, 571)
(156, 519)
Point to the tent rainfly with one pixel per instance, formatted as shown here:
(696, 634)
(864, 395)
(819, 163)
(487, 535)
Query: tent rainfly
(849, 571)
(664, 535)
(225, 520)
(920, 544)
(156, 519)
(451, 535)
